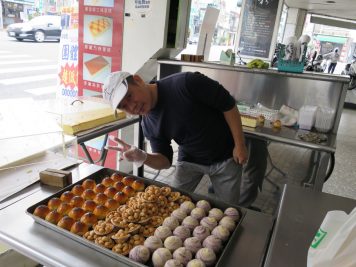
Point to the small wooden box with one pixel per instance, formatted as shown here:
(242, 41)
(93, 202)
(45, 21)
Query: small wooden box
(55, 177)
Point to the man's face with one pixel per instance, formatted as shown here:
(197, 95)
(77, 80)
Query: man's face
(137, 100)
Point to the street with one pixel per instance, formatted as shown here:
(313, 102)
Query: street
(27, 69)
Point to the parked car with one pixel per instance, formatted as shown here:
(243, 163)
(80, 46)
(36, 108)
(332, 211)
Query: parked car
(39, 29)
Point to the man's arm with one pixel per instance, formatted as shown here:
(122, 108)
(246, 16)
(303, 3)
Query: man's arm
(157, 161)
(233, 119)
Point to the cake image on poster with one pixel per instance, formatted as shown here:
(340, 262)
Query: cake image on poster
(104, 3)
(96, 67)
(98, 30)
(99, 26)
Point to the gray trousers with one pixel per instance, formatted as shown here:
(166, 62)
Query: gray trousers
(225, 177)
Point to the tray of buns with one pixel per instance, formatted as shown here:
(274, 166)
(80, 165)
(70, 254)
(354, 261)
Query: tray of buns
(141, 222)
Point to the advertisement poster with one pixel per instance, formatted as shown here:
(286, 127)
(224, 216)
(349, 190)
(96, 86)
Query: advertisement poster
(100, 46)
(258, 27)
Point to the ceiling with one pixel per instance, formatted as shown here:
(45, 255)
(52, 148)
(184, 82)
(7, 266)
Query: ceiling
(345, 9)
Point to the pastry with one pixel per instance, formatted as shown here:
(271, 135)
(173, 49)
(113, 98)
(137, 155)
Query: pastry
(66, 222)
(76, 213)
(138, 185)
(193, 244)
(53, 217)
(106, 242)
(79, 228)
(277, 124)
(139, 254)
(163, 232)
(153, 243)
(261, 119)
(205, 205)
(196, 263)
(221, 232)
(90, 235)
(216, 213)
(107, 181)
(121, 236)
(136, 240)
(173, 263)
(110, 191)
(173, 242)
(78, 190)
(103, 228)
(100, 211)
(182, 255)
(128, 180)
(77, 201)
(182, 232)
(100, 198)
(117, 177)
(89, 219)
(54, 203)
(187, 206)
(198, 213)
(111, 204)
(67, 196)
(121, 197)
(209, 222)
(249, 121)
(88, 194)
(119, 186)
(89, 205)
(122, 248)
(99, 188)
(99, 26)
(41, 211)
(179, 214)
(201, 232)
(213, 243)
(207, 256)
(64, 208)
(170, 222)
(232, 213)
(190, 222)
(228, 223)
(129, 191)
(89, 184)
(160, 256)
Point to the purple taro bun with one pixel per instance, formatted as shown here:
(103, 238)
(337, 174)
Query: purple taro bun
(161, 256)
(139, 254)
(207, 256)
(205, 205)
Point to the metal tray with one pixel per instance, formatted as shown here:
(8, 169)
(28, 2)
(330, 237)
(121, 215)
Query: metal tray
(98, 176)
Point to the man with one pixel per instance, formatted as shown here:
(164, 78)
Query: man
(334, 58)
(197, 113)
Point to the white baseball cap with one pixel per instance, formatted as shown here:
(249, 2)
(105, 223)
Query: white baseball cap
(115, 88)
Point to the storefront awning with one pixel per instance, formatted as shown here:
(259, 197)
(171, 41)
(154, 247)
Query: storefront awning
(331, 39)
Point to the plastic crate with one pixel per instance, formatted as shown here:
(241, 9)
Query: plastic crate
(290, 65)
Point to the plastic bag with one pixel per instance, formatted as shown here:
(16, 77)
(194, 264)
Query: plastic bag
(335, 242)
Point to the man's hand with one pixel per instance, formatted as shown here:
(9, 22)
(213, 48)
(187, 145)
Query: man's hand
(129, 152)
(240, 154)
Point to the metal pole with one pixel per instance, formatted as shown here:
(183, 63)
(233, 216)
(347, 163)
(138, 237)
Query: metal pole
(1, 20)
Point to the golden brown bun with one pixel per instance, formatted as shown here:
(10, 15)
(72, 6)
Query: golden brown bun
(261, 119)
(53, 217)
(89, 205)
(277, 124)
(88, 194)
(100, 211)
(128, 180)
(54, 203)
(79, 228)
(77, 201)
(128, 190)
(89, 219)
(107, 181)
(76, 213)
(100, 199)
(64, 208)
(112, 204)
(67, 196)
(121, 197)
(78, 189)
(89, 184)
(99, 188)
(110, 191)
(119, 186)
(138, 185)
(117, 177)
(66, 222)
(41, 211)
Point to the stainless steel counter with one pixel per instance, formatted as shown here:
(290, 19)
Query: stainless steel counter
(300, 214)
(19, 231)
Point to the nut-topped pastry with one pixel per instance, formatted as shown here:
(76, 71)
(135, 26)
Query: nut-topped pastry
(122, 248)
(166, 191)
(41, 211)
(103, 228)
(136, 240)
(121, 236)
(173, 196)
(105, 241)
(90, 235)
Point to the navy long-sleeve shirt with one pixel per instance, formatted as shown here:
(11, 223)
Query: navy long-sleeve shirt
(189, 110)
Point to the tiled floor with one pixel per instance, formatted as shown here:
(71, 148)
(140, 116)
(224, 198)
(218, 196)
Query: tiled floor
(289, 166)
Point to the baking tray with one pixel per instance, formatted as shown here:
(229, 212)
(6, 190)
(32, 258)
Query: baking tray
(102, 173)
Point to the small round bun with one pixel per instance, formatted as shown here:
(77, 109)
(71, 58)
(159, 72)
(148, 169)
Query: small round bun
(139, 254)
(209, 222)
(196, 263)
(89, 184)
(128, 180)
(198, 213)
(100, 198)
(53, 217)
(99, 188)
(228, 223)
(76, 213)
(193, 244)
(173, 263)
(173, 242)
(101, 211)
(160, 256)
(138, 185)
(190, 222)
(89, 205)
(182, 255)
(201, 232)
(107, 181)
(232, 213)
(119, 186)
(182, 232)
(216, 213)
(207, 256)
(213, 243)
(77, 201)
(111, 204)
(153, 243)
(67, 196)
(110, 191)
(88, 194)
(163, 232)
(117, 177)
(78, 190)
(204, 204)
(129, 191)
(277, 124)
(179, 214)
(54, 203)
(121, 197)
(89, 219)
(66, 222)
(79, 228)
(41, 211)
(170, 222)
(64, 208)
(221, 232)
(187, 206)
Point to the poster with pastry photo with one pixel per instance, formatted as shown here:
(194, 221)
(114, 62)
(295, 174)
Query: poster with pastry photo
(103, 3)
(98, 30)
(96, 67)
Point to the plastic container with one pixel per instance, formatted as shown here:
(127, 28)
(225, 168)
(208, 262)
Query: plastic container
(307, 116)
(324, 119)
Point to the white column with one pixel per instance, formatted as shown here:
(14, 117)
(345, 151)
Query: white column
(295, 23)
